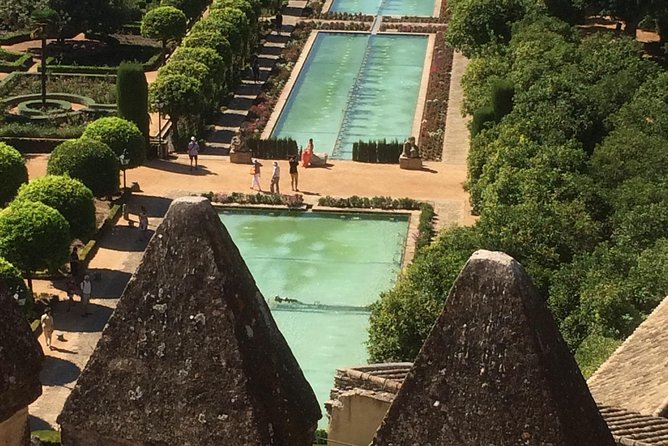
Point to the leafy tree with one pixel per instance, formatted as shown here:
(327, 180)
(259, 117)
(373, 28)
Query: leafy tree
(191, 8)
(195, 70)
(594, 351)
(164, 23)
(13, 172)
(15, 15)
(33, 236)
(100, 16)
(132, 96)
(180, 95)
(88, 160)
(68, 196)
(121, 136)
(45, 21)
(206, 56)
(475, 24)
(210, 39)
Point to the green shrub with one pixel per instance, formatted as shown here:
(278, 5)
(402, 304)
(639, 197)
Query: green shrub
(502, 98)
(33, 236)
(69, 197)
(88, 160)
(425, 226)
(209, 39)
(207, 56)
(593, 352)
(14, 282)
(121, 136)
(13, 172)
(379, 151)
(480, 117)
(273, 148)
(180, 96)
(47, 437)
(132, 96)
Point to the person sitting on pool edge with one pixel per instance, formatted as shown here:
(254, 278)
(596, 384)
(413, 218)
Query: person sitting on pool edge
(307, 154)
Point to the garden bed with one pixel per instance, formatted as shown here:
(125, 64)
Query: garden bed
(10, 62)
(100, 88)
(436, 102)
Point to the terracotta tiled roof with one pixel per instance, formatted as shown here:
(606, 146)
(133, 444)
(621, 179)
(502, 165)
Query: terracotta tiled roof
(636, 375)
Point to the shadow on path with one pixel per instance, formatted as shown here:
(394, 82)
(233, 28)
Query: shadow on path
(108, 283)
(58, 372)
(127, 239)
(73, 322)
(38, 424)
(184, 169)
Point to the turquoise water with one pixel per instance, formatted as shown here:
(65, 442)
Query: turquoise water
(336, 264)
(385, 7)
(352, 87)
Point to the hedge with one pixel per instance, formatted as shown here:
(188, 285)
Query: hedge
(273, 148)
(121, 136)
(13, 172)
(153, 63)
(379, 151)
(90, 161)
(15, 37)
(10, 62)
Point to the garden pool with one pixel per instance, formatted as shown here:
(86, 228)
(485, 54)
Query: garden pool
(354, 86)
(334, 263)
(385, 7)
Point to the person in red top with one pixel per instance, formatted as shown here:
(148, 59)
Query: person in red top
(308, 153)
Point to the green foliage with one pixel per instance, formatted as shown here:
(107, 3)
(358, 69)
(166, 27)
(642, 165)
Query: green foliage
(132, 96)
(593, 352)
(273, 148)
(502, 98)
(13, 280)
(379, 151)
(475, 24)
(121, 136)
(13, 172)
(68, 196)
(15, 14)
(33, 236)
(47, 437)
(373, 202)
(180, 95)
(206, 56)
(99, 16)
(210, 39)
(481, 118)
(425, 226)
(164, 23)
(88, 160)
(320, 436)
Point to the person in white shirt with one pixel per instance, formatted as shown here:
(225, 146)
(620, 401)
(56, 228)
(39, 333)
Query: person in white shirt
(275, 176)
(193, 151)
(86, 289)
(47, 327)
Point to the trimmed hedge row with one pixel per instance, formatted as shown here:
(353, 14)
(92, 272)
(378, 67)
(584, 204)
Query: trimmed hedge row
(273, 148)
(15, 37)
(371, 203)
(10, 61)
(379, 151)
(154, 62)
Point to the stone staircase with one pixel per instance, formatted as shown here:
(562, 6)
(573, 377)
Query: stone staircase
(228, 123)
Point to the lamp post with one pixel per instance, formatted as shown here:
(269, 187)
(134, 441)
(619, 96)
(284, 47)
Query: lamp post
(158, 105)
(125, 161)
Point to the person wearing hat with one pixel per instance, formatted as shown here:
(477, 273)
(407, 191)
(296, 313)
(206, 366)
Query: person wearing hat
(47, 327)
(193, 151)
(255, 171)
(275, 176)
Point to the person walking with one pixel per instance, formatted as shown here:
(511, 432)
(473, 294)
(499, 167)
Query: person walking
(275, 178)
(255, 68)
(71, 291)
(294, 175)
(74, 263)
(255, 171)
(86, 289)
(47, 327)
(193, 151)
(278, 22)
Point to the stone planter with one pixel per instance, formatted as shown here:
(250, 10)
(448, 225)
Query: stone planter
(410, 163)
(240, 157)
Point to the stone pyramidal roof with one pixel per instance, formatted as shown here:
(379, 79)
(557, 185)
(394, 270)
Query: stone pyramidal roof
(494, 371)
(191, 355)
(20, 358)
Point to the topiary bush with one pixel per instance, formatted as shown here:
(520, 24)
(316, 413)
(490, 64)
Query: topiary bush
(68, 196)
(33, 236)
(13, 172)
(132, 96)
(164, 23)
(88, 160)
(120, 135)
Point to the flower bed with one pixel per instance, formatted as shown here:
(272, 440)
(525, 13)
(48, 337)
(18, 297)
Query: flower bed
(415, 19)
(291, 201)
(342, 26)
(436, 104)
(358, 17)
(412, 28)
(100, 88)
(14, 61)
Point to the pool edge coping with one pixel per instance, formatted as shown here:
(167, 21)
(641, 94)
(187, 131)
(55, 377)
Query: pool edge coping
(424, 86)
(412, 230)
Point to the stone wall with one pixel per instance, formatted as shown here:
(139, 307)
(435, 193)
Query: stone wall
(355, 416)
(14, 431)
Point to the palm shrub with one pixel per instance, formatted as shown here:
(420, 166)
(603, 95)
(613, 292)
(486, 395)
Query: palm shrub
(33, 236)
(122, 137)
(13, 172)
(132, 96)
(68, 196)
(88, 160)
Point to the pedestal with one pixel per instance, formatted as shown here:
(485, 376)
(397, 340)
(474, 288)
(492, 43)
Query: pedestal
(410, 163)
(240, 157)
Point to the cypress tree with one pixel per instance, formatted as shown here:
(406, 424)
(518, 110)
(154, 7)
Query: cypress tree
(132, 98)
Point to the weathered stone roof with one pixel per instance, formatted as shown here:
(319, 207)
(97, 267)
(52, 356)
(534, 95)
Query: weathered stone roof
(494, 370)
(20, 358)
(636, 374)
(383, 380)
(191, 355)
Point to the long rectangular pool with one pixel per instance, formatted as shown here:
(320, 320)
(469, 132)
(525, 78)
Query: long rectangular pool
(335, 265)
(354, 86)
(385, 7)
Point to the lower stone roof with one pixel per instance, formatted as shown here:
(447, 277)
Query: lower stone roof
(627, 427)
